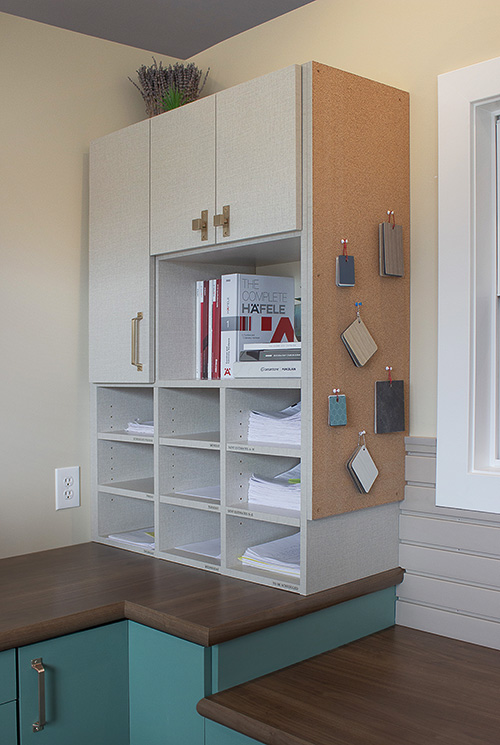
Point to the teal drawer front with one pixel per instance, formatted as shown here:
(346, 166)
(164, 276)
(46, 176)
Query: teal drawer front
(216, 734)
(168, 676)
(262, 652)
(8, 676)
(8, 724)
(86, 688)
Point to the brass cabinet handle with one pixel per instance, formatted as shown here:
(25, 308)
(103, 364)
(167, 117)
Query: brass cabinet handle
(223, 220)
(37, 665)
(201, 223)
(135, 342)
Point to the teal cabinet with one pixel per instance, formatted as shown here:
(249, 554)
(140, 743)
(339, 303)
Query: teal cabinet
(86, 688)
(8, 685)
(8, 723)
(168, 676)
(253, 655)
(8, 696)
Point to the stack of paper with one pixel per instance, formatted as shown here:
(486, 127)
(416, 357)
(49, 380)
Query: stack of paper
(142, 538)
(140, 428)
(281, 427)
(281, 491)
(281, 556)
(209, 548)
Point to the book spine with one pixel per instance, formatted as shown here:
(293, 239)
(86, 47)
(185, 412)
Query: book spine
(204, 332)
(211, 295)
(216, 310)
(197, 352)
(229, 323)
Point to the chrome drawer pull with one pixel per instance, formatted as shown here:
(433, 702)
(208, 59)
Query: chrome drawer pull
(37, 665)
(135, 342)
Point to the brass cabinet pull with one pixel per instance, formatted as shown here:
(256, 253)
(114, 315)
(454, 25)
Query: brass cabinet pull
(223, 220)
(201, 223)
(37, 665)
(135, 342)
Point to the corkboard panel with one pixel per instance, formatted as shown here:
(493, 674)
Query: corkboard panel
(360, 170)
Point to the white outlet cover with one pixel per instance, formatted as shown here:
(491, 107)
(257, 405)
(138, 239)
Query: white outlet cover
(67, 487)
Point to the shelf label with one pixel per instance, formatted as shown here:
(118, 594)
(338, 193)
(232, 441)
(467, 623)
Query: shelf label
(215, 445)
(245, 513)
(213, 507)
(143, 439)
(242, 448)
(285, 586)
(212, 567)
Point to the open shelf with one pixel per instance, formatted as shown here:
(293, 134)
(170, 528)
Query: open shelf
(118, 514)
(239, 469)
(181, 527)
(183, 471)
(243, 533)
(125, 467)
(116, 407)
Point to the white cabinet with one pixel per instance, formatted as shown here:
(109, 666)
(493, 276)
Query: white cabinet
(241, 149)
(189, 482)
(121, 270)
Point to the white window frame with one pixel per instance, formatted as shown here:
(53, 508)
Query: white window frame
(468, 443)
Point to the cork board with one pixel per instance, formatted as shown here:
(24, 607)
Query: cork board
(360, 169)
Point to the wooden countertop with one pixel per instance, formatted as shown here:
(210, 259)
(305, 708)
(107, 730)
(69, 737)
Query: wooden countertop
(49, 593)
(397, 687)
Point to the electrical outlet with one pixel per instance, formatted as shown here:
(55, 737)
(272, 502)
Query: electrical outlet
(67, 487)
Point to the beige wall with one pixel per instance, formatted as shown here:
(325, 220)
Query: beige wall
(59, 90)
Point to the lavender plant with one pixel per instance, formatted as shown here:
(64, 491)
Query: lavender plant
(157, 84)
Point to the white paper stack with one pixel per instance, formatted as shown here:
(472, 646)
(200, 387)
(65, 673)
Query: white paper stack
(281, 556)
(278, 428)
(142, 538)
(210, 548)
(281, 491)
(140, 428)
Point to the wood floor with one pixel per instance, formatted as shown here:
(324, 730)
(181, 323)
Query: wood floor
(396, 687)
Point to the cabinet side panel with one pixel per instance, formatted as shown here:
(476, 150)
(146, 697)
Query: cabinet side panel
(262, 652)
(360, 170)
(168, 676)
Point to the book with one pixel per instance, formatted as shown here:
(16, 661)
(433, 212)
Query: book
(197, 316)
(273, 346)
(204, 331)
(267, 369)
(254, 309)
(216, 309)
(274, 355)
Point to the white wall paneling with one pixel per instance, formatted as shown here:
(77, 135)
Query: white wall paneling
(451, 557)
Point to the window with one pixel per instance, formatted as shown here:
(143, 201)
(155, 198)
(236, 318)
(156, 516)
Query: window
(468, 458)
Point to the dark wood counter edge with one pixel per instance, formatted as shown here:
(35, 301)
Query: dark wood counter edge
(38, 632)
(309, 604)
(191, 631)
(263, 619)
(246, 725)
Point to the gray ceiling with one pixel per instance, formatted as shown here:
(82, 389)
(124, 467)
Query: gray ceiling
(178, 28)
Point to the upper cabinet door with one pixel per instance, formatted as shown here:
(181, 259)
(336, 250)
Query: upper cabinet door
(121, 271)
(258, 128)
(182, 176)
